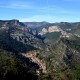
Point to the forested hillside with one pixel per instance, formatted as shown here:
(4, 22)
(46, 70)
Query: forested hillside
(50, 52)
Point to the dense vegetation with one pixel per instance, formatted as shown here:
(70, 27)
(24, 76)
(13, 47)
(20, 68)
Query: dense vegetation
(52, 37)
(63, 59)
(74, 43)
(14, 68)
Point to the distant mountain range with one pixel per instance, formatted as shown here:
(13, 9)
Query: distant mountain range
(35, 24)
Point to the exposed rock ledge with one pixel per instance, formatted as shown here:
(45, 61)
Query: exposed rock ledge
(32, 56)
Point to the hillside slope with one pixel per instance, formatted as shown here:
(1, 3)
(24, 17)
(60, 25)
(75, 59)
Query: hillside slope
(52, 55)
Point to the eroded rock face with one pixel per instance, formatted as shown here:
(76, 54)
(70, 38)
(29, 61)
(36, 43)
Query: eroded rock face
(44, 31)
(20, 32)
(32, 56)
(53, 29)
(50, 29)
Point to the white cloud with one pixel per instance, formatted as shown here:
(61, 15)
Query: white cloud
(22, 5)
(17, 6)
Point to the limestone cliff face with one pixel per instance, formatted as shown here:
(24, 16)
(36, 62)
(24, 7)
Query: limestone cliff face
(49, 30)
(53, 29)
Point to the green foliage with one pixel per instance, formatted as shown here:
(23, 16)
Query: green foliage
(73, 43)
(75, 74)
(58, 62)
(12, 68)
(52, 37)
(44, 77)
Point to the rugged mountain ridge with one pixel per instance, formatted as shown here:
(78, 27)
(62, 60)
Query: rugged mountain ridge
(57, 46)
(21, 32)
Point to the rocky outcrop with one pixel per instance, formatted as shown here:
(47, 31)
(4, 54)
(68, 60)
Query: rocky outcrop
(27, 38)
(50, 29)
(21, 32)
(54, 29)
(32, 56)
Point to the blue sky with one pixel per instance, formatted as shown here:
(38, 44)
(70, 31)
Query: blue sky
(40, 10)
